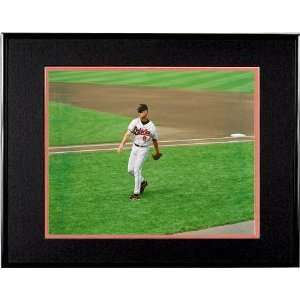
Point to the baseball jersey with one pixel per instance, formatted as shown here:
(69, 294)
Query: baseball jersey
(143, 133)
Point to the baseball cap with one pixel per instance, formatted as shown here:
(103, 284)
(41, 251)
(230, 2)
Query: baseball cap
(142, 107)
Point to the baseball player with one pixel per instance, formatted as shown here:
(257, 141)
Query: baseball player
(143, 131)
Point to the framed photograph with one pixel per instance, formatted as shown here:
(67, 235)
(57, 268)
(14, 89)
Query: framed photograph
(150, 150)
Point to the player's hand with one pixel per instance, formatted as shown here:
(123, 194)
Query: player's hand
(120, 148)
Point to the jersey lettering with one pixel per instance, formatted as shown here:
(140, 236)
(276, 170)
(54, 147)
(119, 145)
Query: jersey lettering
(141, 131)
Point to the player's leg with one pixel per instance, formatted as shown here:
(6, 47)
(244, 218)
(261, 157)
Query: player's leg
(144, 182)
(131, 161)
(131, 164)
(138, 178)
(144, 157)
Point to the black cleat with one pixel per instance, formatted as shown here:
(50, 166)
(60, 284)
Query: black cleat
(135, 197)
(143, 186)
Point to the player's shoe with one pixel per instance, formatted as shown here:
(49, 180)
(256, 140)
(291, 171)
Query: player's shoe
(135, 197)
(143, 186)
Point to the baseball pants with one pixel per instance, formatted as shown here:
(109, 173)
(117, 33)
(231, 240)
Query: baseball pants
(135, 163)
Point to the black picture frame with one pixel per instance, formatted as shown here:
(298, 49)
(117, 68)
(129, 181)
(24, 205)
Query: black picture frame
(24, 59)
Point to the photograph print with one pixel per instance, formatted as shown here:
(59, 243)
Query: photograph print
(152, 152)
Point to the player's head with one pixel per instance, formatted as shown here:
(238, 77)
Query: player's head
(142, 109)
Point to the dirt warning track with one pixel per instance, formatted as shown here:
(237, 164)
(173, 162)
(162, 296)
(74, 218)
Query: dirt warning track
(178, 114)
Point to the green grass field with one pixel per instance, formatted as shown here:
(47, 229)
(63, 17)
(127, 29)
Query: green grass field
(224, 81)
(71, 125)
(190, 188)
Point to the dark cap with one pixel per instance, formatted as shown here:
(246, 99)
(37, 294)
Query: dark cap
(142, 107)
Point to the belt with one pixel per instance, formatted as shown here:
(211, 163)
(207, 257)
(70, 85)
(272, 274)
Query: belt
(139, 145)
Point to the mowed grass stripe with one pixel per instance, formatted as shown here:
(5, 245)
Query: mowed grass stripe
(102, 75)
(198, 83)
(89, 192)
(191, 80)
(139, 77)
(227, 85)
(135, 78)
(154, 77)
(173, 81)
(158, 79)
(181, 81)
(112, 77)
(94, 76)
(223, 83)
(68, 76)
(186, 81)
(247, 87)
(117, 78)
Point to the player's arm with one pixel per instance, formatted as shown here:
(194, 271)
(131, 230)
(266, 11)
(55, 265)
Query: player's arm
(155, 144)
(126, 135)
(155, 140)
(124, 140)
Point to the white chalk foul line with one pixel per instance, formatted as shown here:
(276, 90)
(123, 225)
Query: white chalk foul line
(164, 141)
(163, 146)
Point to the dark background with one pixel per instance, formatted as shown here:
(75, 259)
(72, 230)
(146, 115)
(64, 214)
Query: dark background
(26, 55)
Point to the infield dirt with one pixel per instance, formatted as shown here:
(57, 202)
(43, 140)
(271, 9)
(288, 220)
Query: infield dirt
(177, 114)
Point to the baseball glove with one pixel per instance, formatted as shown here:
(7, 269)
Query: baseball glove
(156, 156)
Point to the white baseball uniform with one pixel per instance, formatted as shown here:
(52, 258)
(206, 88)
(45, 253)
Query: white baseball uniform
(143, 135)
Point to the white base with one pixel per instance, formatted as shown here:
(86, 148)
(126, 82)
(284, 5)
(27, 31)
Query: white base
(237, 135)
